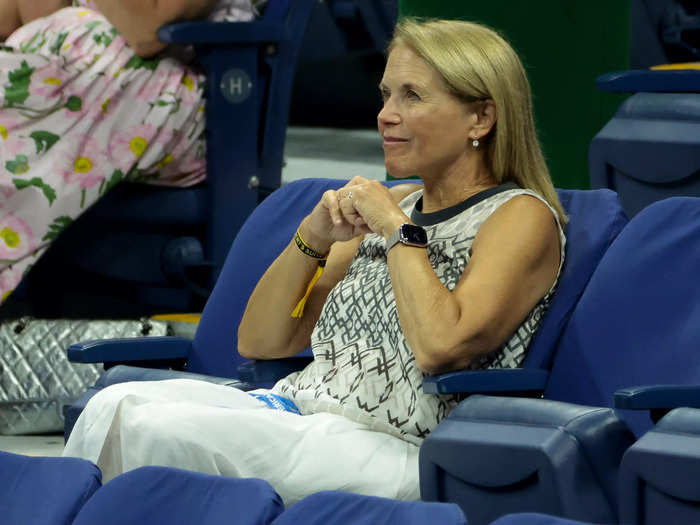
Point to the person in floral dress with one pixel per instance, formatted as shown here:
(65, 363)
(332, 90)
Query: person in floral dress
(86, 103)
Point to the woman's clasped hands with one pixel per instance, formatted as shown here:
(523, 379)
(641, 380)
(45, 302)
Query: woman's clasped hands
(362, 206)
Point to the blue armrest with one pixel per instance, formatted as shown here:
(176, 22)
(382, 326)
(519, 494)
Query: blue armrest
(511, 380)
(264, 372)
(129, 349)
(652, 397)
(124, 373)
(647, 80)
(223, 33)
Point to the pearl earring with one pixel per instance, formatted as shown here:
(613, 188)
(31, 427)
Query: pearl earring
(475, 143)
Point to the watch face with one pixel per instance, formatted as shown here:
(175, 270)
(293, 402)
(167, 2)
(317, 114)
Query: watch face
(413, 234)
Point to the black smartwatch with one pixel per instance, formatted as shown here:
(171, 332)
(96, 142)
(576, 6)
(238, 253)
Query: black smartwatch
(408, 234)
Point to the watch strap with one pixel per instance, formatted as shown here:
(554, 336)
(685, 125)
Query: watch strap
(394, 239)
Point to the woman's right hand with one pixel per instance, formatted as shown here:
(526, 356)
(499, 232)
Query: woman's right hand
(327, 223)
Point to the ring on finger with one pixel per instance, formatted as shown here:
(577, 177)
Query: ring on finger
(349, 195)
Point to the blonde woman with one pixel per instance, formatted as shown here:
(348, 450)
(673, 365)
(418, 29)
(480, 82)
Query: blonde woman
(415, 280)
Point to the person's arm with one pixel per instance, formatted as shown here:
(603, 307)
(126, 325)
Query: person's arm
(9, 18)
(138, 20)
(514, 262)
(267, 330)
(32, 9)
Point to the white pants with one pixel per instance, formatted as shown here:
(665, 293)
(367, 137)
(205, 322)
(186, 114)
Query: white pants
(217, 429)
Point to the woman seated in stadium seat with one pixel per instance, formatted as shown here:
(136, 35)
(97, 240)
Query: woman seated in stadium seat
(88, 98)
(414, 280)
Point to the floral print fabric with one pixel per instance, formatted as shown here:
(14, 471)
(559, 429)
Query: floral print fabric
(80, 113)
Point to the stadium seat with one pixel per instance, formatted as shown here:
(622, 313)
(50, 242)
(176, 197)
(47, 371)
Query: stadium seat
(637, 323)
(533, 518)
(213, 353)
(343, 508)
(650, 149)
(659, 472)
(596, 218)
(41, 491)
(163, 495)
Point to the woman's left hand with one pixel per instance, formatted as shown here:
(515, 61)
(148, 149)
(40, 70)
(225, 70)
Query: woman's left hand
(369, 203)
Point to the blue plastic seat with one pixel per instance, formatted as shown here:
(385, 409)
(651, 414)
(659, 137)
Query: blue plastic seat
(596, 219)
(343, 508)
(650, 149)
(41, 491)
(164, 495)
(659, 473)
(534, 518)
(212, 353)
(144, 250)
(637, 323)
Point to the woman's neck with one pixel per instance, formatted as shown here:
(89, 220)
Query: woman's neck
(455, 185)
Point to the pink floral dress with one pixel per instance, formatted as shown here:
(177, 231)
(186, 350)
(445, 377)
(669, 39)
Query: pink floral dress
(79, 113)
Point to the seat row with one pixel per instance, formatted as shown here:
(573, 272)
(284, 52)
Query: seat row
(68, 491)
(625, 319)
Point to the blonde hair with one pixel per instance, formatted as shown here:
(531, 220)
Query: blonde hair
(476, 63)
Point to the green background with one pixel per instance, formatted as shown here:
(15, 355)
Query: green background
(564, 45)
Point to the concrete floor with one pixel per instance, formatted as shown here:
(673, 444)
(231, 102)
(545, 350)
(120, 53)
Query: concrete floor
(333, 153)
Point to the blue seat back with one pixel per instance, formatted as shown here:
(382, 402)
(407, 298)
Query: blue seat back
(534, 518)
(261, 239)
(595, 219)
(638, 321)
(258, 243)
(39, 490)
(650, 149)
(658, 472)
(343, 508)
(234, 194)
(154, 495)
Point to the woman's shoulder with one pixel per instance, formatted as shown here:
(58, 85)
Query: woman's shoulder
(525, 217)
(525, 206)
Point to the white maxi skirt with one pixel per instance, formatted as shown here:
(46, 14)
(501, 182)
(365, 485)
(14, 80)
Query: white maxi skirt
(220, 430)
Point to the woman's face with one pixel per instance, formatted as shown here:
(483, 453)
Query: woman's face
(425, 129)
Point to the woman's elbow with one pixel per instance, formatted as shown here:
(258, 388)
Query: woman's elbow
(442, 356)
(244, 350)
(258, 344)
(246, 343)
(147, 49)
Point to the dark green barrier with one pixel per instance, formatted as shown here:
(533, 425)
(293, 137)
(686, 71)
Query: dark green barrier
(565, 45)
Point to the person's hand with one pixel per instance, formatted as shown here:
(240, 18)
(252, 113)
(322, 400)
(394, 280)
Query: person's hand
(327, 224)
(360, 207)
(371, 206)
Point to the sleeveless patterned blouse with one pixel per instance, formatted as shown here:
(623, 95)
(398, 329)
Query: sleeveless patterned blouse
(363, 367)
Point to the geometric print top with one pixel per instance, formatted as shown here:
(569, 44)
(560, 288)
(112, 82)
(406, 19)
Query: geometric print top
(363, 367)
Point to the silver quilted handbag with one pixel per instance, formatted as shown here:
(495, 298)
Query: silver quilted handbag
(36, 378)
